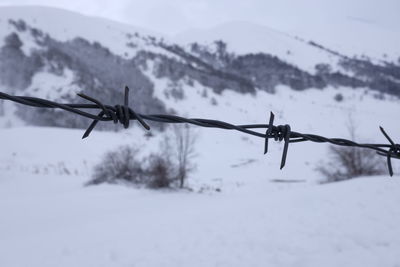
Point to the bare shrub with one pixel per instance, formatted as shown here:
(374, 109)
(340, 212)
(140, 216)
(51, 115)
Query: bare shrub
(338, 97)
(159, 172)
(168, 167)
(351, 162)
(120, 165)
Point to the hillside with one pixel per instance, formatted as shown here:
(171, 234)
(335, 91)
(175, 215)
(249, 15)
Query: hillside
(54, 54)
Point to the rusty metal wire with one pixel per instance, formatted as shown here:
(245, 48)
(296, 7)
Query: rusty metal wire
(124, 114)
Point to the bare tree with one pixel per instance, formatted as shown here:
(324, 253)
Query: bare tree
(179, 146)
(351, 162)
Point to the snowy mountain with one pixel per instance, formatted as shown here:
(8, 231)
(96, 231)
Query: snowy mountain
(53, 53)
(350, 37)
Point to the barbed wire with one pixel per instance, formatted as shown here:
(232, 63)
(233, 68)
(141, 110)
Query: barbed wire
(124, 114)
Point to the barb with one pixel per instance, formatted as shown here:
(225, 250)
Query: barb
(124, 114)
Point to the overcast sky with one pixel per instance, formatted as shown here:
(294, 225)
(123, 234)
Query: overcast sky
(174, 16)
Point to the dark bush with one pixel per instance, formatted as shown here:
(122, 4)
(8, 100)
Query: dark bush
(339, 97)
(350, 162)
(13, 40)
(121, 165)
(159, 172)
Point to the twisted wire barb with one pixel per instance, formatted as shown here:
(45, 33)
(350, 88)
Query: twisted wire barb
(124, 114)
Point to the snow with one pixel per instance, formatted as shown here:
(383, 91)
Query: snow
(51, 86)
(55, 221)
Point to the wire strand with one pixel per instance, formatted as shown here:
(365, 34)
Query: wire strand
(124, 114)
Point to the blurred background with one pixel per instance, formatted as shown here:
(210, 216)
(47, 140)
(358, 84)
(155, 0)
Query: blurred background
(330, 68)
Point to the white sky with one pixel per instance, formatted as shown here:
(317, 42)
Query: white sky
(293, 16)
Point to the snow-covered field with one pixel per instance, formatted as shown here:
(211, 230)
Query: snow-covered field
(52, 220)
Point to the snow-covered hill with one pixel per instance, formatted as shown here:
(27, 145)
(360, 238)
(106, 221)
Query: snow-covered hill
(245, 38)
(359, 39)
(94, 54)
(65, 25)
